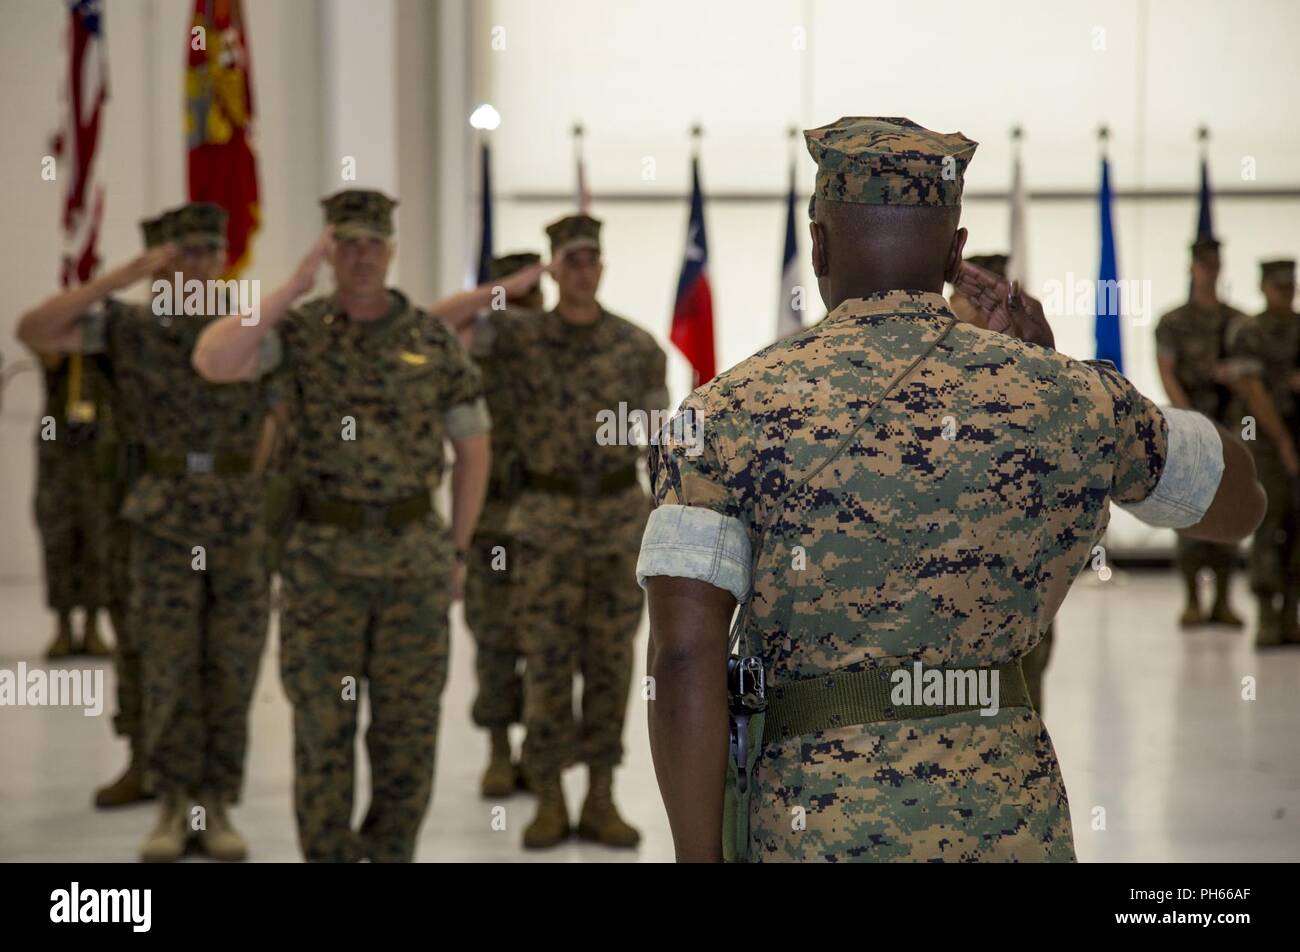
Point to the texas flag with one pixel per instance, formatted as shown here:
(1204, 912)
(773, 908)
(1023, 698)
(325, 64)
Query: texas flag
(693, 312)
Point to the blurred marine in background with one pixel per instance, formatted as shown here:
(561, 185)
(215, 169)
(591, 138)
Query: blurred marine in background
(198, 583)
(1268, 348)
(1192, 345)
(490, 580)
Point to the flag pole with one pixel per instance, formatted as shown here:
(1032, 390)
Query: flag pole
(697, 134)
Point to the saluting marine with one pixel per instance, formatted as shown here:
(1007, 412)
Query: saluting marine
(575, 372)
(813, 484)
(1192, 351)
(1268, 346)
(372, 385)
(198, 588)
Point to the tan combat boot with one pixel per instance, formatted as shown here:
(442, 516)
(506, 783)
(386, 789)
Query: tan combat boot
(219, 839)
(1269, 633)
(61, 646)
(1191, 616)
(128, 788)
(600, 821)
(92, 641)
(500, 777)
(1222, 613)
(550, 827)
(166, 843)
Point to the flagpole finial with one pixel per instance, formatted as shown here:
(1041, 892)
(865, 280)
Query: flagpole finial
(1202, 134)
(1017, 133)
(697, 132)
(1103, 138)
(578, 131)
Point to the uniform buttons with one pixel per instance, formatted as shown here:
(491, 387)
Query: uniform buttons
(328, 319)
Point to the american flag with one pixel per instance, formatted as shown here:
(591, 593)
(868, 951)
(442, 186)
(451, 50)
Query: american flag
(76, 143)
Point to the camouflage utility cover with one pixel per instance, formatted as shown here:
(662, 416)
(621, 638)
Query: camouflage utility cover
(888, 161)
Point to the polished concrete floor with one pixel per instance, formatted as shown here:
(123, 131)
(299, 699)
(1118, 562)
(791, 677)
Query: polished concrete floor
(1163, 758)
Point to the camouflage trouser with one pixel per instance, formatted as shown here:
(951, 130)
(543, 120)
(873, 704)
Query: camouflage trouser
(1194, 555)
(335, 631)
(1275, 551)
(1034, 664)
(126, 656)
(200, 636)
(489, 613)
(74, 520)
(579, 607)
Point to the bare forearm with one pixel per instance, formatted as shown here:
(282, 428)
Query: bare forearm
(1173, 389)
(688, 713)
(688, 742)
(1239, 502)
(227, 349)
(459, 309)
(46, 327)
(469, 478)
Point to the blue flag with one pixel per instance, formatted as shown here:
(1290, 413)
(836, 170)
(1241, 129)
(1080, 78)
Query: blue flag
(1107, 309)
(485, 246)
(1204, 222)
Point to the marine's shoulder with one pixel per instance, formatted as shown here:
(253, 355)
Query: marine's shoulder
(626, 330)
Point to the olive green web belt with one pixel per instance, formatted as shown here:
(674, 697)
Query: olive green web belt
(219, 463)
(829, 701)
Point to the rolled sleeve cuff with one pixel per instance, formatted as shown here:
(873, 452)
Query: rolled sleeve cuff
(695, 543)
(1193, 469)
(269, 354)
(467, 419)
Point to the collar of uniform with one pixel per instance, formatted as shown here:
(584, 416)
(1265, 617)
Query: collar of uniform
(581, 331)
(397, 305)
(887, 304)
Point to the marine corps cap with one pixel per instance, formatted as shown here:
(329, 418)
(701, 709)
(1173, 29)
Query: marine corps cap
(505, 265)
(997, 263)
(196, 223)
(155, 231)
(360, 213)
(573, 232)
(888, 161)
(1281, 271)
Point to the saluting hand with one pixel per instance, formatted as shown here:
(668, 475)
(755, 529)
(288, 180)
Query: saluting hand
(144, 264)
(523, 280)
(304, 276)
(1005, 306)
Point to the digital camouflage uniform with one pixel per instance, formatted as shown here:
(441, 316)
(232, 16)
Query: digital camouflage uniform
(72, 501)
(1269, 347)
(1197, 341)
(578, 602)
(1033, 664)
(371, 403)
(490, 581)
(200, 626)
(950, 552)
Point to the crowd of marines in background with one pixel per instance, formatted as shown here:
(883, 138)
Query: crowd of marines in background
(194, 457)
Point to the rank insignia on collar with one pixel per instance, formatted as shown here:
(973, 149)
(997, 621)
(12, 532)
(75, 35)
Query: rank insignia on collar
(415, 360)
